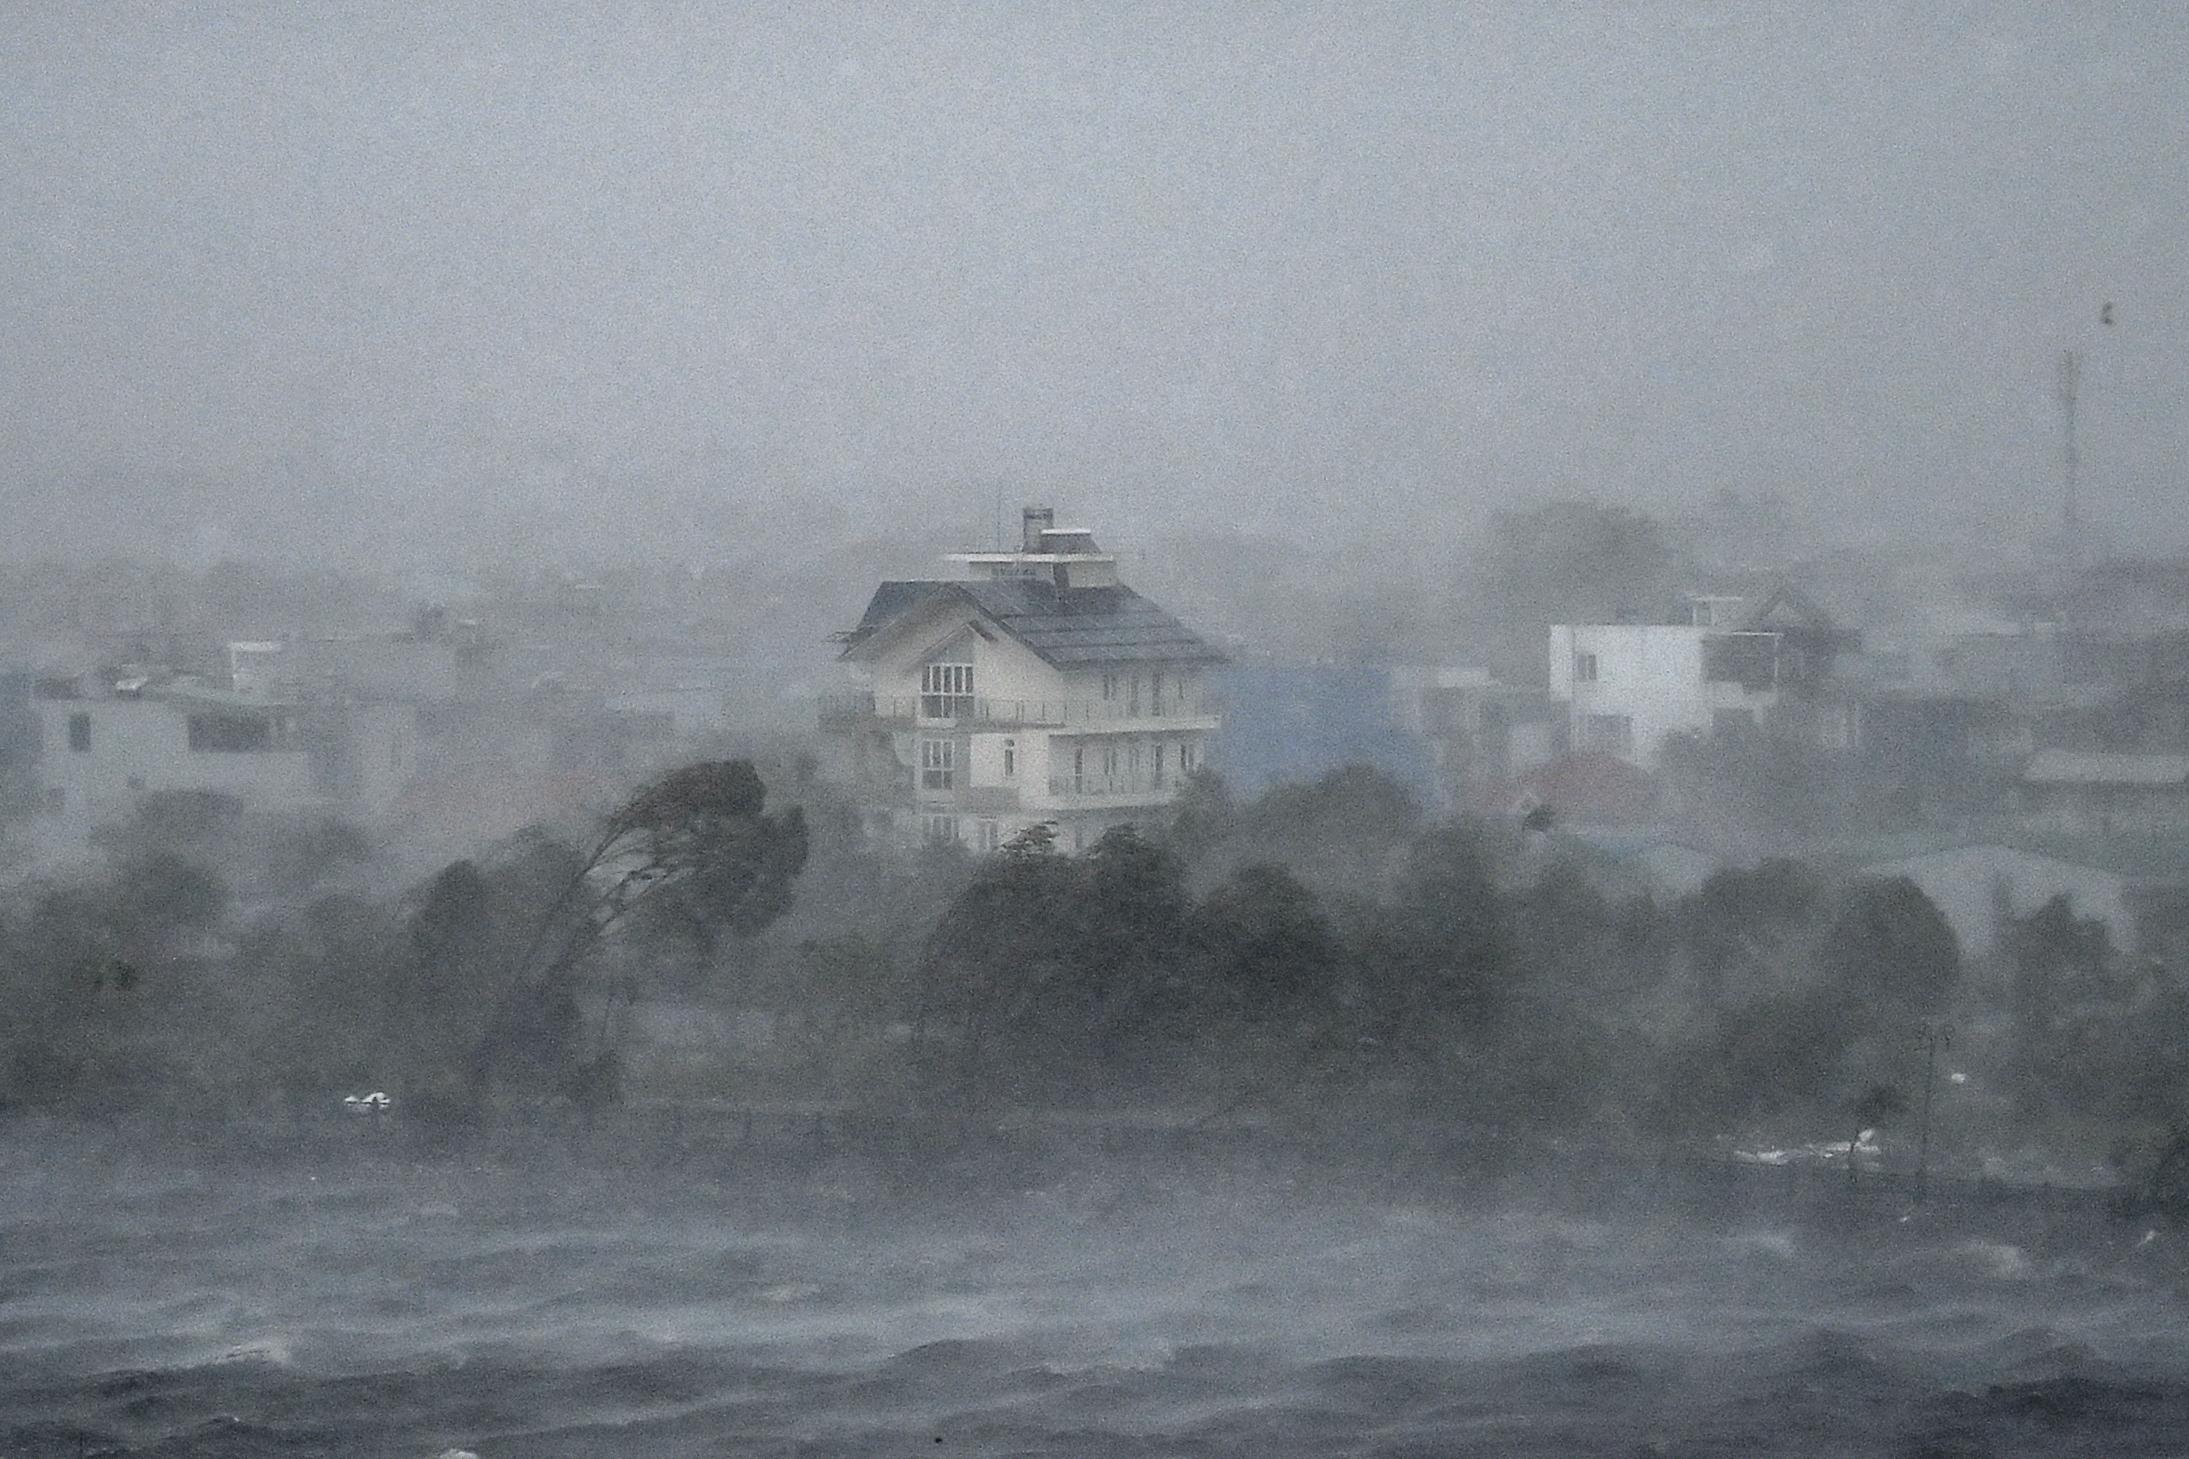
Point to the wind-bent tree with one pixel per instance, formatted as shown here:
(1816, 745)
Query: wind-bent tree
(695, 843)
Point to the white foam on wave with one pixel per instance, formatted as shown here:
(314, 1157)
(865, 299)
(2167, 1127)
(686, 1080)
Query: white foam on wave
(2002, 1260)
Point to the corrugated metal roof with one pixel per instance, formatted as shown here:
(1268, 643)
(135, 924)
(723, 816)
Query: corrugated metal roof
(1068, 628)
(2077, 767)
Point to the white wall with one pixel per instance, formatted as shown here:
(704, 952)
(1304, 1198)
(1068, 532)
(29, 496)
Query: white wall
(140, 746)
(1652, 673)
(1964, 882)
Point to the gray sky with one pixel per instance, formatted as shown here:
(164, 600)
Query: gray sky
(656, 275)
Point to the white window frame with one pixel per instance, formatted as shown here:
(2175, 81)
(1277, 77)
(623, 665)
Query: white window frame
(938, 764)
(1584, 668)
(946, 689)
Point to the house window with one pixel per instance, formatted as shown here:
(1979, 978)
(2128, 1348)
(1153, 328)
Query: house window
(1010, 759)
(1613, 733)
(230, 734)
(79, 733)
(1079, 767)
(946, 691)
(938, 764)
(1189, 757)
(1109, 686)
(1155, 689)
(1158, 764)
(1584, 668)
(1109, 759)
(939, 830)
(986, 835)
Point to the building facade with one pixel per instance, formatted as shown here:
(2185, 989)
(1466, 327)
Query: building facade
(1033, 688)
(104, 743)
(1731, 665)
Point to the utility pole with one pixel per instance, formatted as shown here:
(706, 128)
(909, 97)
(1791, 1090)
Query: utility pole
(1933, 1037)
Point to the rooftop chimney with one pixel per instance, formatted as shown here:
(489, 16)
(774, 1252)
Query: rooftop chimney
(1032, 523)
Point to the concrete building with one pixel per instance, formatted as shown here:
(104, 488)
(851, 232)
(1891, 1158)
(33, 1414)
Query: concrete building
(1729, 665)
(1035, 687)
(107, 740)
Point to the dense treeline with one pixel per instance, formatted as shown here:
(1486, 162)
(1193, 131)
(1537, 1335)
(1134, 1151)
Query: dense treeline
(1321, 956)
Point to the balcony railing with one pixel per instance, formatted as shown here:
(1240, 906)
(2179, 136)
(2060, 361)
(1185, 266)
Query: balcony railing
(1112, 787)
(846, 710)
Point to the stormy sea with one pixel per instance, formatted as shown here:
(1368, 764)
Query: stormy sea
(362, 1298)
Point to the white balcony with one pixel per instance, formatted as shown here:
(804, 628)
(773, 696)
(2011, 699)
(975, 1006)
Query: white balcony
(856, 708)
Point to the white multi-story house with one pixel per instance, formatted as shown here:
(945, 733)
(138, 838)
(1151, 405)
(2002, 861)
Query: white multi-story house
(1731, 665)
(1035, 688)
(106, 741)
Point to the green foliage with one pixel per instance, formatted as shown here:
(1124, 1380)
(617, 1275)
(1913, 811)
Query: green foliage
(692, 853)
(1890, 943)
(1269, 951)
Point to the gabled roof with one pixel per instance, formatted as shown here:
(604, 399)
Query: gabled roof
(1067, 628)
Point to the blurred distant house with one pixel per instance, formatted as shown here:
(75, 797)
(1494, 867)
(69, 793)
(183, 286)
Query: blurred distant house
(1974, 886)
(1725, 664)
(107, 739)
(1482, 734)
(1587, 789)
(2097, 793)
(1037, 687)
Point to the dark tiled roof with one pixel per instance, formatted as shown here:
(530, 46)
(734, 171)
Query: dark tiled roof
(1068, 628)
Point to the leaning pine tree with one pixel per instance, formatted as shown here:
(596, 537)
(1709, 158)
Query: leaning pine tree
(694, 850)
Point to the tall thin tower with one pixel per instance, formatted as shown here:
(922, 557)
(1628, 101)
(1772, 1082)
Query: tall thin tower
(2071, 376)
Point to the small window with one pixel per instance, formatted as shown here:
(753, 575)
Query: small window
(1159, 764)
(1010, 759)
(987, 835)
(1189, 757)
(1155, 688)
(1613, 733)
(79, 733)
(939, 830)
(1109, 759)
(1584, 668)
(1109, 686)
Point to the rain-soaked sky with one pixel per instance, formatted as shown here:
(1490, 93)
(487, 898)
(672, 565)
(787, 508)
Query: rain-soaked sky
(387, 280)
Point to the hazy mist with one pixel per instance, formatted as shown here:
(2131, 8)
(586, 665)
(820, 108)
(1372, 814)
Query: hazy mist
(392, 285)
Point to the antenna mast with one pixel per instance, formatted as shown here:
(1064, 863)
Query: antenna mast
(2071, 372)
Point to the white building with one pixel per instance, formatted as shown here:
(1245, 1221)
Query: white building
(106, 742)
(1036, 688)
(1729, 666)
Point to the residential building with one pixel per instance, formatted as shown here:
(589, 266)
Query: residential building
(2095, 793)
(105, 740)
(1729, 664)
(1035, 687)
(1482, 734)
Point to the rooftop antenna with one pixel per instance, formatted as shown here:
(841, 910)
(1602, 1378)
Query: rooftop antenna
(2071, 374)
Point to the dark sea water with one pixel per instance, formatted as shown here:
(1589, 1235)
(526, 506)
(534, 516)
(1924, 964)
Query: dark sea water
(362, 1304)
